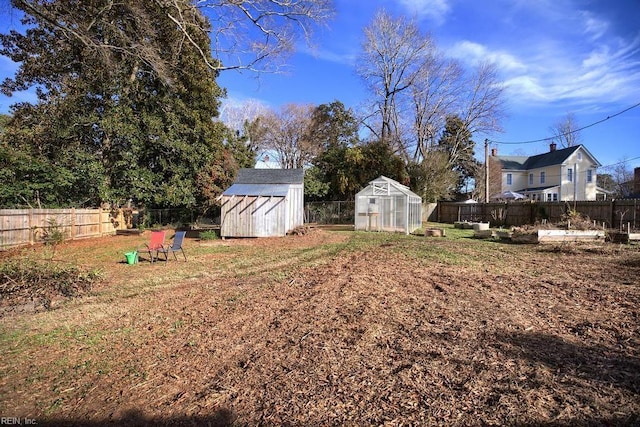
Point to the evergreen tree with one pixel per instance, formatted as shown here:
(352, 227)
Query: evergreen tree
(456, 142)
(131, 121)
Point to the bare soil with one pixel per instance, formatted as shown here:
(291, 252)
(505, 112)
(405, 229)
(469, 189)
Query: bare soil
(332, 329)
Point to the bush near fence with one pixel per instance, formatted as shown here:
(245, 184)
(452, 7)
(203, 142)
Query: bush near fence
(613, 214)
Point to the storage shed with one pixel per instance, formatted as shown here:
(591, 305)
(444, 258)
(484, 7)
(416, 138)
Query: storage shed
(387, 205)
(263, 203)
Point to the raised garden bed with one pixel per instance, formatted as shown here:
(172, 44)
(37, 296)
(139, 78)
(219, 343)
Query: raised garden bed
(484, 234)
(558, 236)
(622, 237)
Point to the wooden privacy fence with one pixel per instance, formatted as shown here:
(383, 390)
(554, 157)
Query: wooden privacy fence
(27, 226)
(613, 214)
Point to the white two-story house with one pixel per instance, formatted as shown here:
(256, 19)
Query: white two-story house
(559, 175)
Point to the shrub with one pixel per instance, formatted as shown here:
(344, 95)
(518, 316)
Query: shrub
(208, 235)
(40, 281)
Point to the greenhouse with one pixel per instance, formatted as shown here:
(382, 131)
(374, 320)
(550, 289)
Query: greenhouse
(387, 205)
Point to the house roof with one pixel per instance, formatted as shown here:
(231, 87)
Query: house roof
(550, 158)
(513, 162)
(270, 176)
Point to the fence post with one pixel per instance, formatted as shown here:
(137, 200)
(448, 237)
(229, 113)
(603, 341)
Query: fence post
(31, 232)
(73, 223)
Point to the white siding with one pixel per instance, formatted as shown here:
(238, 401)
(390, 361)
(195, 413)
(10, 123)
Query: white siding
(295, 207)
(262, 216)
(557, 175)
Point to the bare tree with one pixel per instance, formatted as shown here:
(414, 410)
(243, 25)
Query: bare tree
(254, 34)
(245, 34)
(285, 134)
(393, 52)
(416, 88)
(565, 131)
(435, 95)
(235, 116)
(621, 176)
(482, 104)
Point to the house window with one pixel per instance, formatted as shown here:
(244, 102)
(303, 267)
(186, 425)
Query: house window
(555, 197)
(509, 179)
(530, 179)
(579, 157)
(589, 175)
(570, 175)
(549, 197)
(542, 177)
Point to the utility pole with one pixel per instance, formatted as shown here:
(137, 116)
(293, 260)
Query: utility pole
(486, 170)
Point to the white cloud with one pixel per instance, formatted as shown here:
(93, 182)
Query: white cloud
(603, 75)
(593, 27)
(436, 10)
(474, 53)
(343, 58)
(596, 58)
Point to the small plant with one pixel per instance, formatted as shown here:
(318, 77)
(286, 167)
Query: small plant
(54, 233)
(208, 235)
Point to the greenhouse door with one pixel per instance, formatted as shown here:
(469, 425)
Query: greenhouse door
(387, 213)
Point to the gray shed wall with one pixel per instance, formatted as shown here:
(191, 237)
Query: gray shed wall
(262, 216)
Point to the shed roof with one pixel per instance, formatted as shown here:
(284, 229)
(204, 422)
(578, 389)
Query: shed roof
(270, 176)
(268, 190)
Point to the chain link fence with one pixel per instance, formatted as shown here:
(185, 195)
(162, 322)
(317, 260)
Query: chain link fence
(330, 212)
(177, 217)
(338, 212)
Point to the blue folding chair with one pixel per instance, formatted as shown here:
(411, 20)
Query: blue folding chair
(176, 246)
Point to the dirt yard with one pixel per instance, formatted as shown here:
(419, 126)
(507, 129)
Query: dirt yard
(334, 329)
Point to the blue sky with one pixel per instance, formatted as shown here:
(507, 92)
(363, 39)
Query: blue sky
(555, 57)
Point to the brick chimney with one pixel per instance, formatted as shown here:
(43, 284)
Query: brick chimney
(636, 180)
(494, 152)
(552, 147)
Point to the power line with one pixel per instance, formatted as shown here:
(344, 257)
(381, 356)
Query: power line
(620, 162)
(567, 133)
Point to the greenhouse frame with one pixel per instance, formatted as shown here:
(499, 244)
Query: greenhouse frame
(387, 205)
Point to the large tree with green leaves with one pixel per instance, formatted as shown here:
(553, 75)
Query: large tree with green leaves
(119, 123)
(334, 125)
(347, 169)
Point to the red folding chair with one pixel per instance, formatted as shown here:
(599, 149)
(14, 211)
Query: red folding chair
(156, 244)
